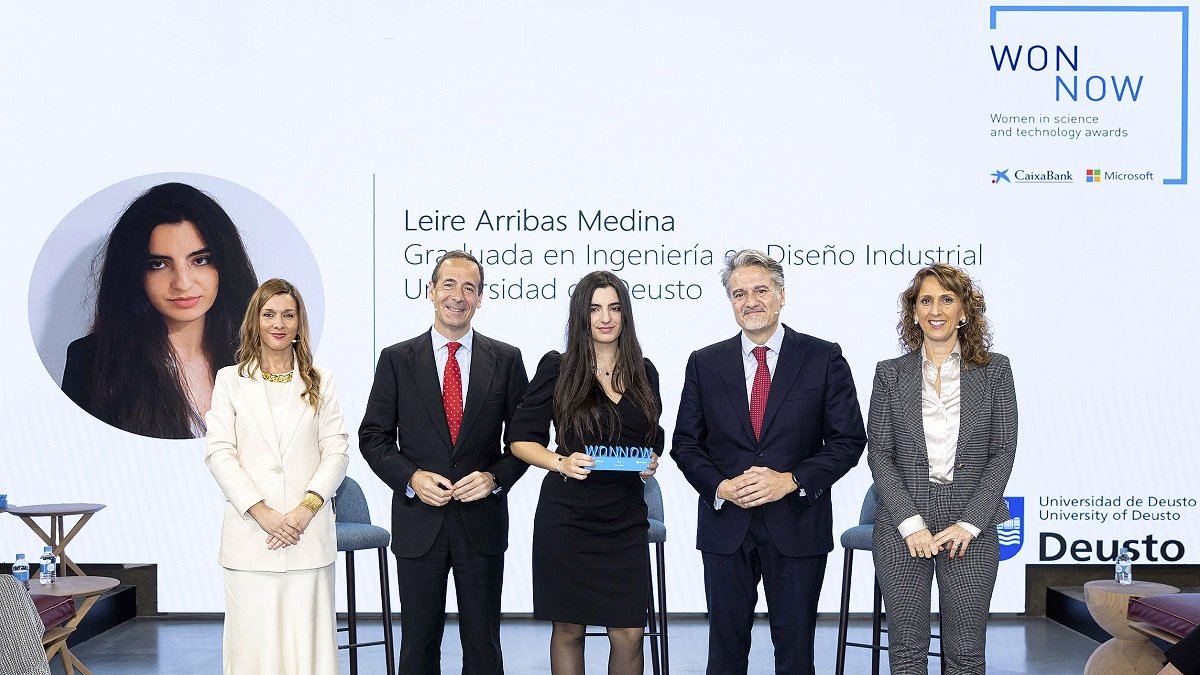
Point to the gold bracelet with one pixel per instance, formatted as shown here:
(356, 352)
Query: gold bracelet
(312, 501)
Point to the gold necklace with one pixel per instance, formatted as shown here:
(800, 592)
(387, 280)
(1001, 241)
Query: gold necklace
(283, 378)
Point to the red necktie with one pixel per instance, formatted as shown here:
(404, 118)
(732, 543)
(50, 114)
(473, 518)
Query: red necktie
(758, 391)
(452, 398)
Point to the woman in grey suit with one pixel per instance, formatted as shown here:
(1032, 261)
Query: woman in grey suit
(943, 434)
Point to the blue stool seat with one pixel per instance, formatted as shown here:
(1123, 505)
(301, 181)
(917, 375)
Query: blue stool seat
(360, 536)
(859, 537)
(657, 532)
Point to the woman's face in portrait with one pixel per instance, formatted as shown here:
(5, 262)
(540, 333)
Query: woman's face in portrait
(278, 321)
(938, 311)
(181, 282)
(605, 315)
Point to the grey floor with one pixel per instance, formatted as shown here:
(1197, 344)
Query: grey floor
(188, 646)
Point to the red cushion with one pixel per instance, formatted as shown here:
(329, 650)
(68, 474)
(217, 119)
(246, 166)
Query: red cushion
(1175, 613)
(52, 609)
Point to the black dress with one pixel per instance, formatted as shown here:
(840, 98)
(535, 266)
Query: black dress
(590, 556)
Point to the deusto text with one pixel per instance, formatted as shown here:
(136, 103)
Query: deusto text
(1054, 546)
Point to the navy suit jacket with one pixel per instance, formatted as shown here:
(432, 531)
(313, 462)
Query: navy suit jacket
(812, 428)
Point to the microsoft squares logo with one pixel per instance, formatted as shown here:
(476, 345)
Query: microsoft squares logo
(1093, 175)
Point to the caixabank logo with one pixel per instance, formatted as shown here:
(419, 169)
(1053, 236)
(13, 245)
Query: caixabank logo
(1032, 176)
(1012, 531)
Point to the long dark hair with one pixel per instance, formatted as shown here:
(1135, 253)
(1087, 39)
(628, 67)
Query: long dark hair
(579, 400)
(136, 384)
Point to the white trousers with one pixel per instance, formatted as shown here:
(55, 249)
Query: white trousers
(280, 623)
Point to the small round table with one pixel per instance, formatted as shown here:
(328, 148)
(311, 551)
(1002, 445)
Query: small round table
(1128, 652)
(58, 537)
(89, 589)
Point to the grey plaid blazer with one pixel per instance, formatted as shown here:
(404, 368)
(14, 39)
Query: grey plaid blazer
(987, 442)
(21, 651)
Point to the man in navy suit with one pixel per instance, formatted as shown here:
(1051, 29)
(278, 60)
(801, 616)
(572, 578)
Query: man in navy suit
(768, 420)
(433, 431)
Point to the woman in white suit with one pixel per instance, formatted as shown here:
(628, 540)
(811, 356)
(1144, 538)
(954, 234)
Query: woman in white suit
(277, 447)
(943, 435)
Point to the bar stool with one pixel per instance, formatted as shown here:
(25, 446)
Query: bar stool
(656, 617)
(356, 533)
(656, 534)
(861, 537)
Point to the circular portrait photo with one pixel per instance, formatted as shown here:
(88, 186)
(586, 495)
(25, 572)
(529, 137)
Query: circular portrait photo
(137, 296)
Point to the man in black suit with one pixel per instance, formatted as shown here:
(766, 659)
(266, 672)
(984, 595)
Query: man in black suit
(768, 420)
(443, 455)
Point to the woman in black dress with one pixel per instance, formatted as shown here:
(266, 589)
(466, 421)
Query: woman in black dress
(590, 559)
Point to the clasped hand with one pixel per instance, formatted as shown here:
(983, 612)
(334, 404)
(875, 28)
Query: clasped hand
(283, 529)
(955, 539)
(437, 490)
(756, 486)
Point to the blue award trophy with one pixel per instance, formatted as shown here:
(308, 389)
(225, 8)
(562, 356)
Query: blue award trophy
(619, 457)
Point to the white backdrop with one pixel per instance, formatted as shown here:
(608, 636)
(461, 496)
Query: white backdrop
(821, 131)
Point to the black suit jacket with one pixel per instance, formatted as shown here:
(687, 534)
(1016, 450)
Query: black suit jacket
(405, 429)
(812, 427)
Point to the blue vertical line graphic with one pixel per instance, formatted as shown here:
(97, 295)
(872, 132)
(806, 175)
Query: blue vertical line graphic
(374, 301)
(1184, 15)
(1183, 138)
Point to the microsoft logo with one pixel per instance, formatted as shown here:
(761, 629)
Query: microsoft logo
(1093, 175)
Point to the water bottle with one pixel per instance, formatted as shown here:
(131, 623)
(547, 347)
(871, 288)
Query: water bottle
(47, 559)
(20, 570)
(1125, 567)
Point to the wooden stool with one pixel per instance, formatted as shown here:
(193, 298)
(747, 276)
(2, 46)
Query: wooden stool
(1128, 652)
(89, 589)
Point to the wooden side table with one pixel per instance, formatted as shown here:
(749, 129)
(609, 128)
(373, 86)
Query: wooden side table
(58, 537)
(1128, 652)
(87, 589)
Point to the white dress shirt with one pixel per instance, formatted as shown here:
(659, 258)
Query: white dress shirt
(940, 414)
(750, 368)
(441, 354)
(750, 363)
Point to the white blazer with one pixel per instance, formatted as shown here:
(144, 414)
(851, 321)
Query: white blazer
(252, 465)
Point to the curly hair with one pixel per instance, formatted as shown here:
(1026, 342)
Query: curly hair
(974, 338)
(250, 348)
